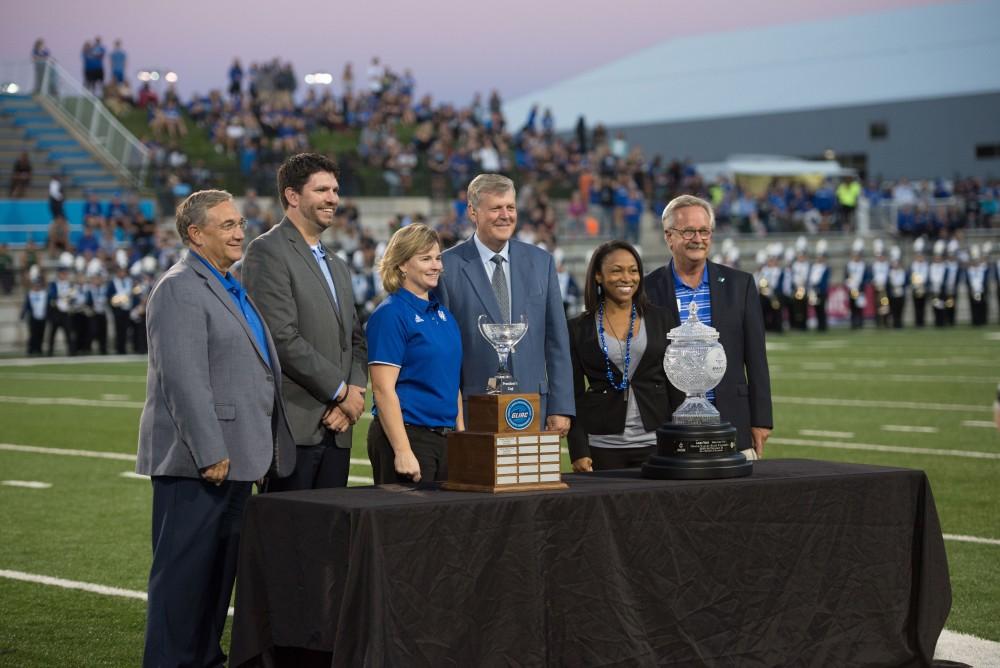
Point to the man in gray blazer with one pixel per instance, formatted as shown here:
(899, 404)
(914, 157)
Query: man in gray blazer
(305, 295)
(505, 278)
(213, 423)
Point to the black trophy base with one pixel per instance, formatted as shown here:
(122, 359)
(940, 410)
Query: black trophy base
(696, 452)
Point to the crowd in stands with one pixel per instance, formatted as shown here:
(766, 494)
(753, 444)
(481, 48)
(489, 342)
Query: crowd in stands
(589, 182)
(256, 119)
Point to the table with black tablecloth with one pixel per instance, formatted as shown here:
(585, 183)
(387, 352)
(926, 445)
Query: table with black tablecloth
(803, 563)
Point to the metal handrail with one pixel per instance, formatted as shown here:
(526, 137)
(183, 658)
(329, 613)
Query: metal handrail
(79, 108)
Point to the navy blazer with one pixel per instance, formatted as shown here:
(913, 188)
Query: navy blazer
(743, 397)
(541, 361)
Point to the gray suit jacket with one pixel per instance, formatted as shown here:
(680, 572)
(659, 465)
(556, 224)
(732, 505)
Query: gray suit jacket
(209, 393)
(320, 345)
(541, 363)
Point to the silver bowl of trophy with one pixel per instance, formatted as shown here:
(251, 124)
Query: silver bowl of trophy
(696, 444)
(503, 336)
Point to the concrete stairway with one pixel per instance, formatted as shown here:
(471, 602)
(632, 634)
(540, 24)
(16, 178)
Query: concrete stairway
(26, 126)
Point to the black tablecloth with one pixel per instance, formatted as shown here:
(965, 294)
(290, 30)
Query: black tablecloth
(803, 563)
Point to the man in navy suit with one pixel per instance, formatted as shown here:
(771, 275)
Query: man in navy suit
(505, 278)
(728, 301)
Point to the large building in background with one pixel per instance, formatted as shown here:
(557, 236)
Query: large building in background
(912, 92)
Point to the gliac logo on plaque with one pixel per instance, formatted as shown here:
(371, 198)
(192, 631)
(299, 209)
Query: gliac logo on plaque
(519, 414)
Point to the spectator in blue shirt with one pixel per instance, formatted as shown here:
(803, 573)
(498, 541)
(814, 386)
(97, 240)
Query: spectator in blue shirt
(415, 358)
(118, 59)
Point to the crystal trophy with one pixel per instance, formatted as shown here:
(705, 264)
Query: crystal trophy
(503, 337)
(697, 444)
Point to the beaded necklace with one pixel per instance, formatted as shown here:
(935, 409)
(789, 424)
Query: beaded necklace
(622, 386)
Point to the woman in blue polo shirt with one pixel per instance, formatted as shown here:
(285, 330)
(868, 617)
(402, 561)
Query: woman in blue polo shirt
(414, 359)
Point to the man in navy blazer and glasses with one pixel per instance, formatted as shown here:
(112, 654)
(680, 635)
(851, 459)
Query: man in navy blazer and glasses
(727, 300)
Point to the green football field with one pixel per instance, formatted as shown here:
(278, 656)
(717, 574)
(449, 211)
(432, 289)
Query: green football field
(74, 522)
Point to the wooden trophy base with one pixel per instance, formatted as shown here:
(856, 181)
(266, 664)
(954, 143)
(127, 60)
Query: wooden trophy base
(503, 450)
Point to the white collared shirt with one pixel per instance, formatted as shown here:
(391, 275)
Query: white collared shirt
(486, 256)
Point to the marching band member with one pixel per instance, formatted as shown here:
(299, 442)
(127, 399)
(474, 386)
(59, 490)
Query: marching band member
(976, 277)
(799, 309)
(897, 282)
(819, 284)
(936, 274)
(856, 279)
(880, 283)
(918, 282)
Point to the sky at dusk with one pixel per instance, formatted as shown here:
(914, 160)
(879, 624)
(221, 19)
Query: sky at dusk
(454, 48)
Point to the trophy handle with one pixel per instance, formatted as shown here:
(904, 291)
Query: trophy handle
(483, 319)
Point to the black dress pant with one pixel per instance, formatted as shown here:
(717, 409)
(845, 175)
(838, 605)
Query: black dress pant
(919, 310)
(620, 458)
(316, 467)
(99, 332)
(821, 320)
(196, 534)
(57, 321)
(36, 335)
(429, 445)
(123, 323)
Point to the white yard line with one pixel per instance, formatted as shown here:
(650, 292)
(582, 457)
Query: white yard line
(67, 452)
(840, 445)
(68, 401)
(872, 403)
(983, 424)
(73, 361)
(891, 377)
(971, 539)
(946, 361)
(103, 590)
(360, 480)
(826, 434)
(960, 647)
(909, 429)
(27, 484)
(72, 377)
(827, 344)
(355, 461)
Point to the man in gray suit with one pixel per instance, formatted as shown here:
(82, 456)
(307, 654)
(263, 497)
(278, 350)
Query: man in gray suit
(505, 278)
(305, 295)
(213, 423)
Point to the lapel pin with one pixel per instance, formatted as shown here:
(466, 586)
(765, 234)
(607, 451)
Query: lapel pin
(722, 279)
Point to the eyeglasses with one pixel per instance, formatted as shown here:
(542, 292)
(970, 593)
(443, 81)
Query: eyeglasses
(688, 233)
(231, 225)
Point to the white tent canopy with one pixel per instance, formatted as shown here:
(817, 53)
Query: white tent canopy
(771, 165)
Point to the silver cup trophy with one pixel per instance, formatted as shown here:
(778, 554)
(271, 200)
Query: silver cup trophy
(503, 337)
(696, 444)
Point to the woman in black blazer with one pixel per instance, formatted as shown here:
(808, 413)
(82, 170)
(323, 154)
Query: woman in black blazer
(617, 347)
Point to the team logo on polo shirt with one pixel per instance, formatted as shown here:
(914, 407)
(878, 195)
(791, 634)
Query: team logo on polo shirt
(519, 414)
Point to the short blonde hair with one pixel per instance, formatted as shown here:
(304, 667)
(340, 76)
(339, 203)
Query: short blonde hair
(487, 184)
(684, 201)
(404, 244)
